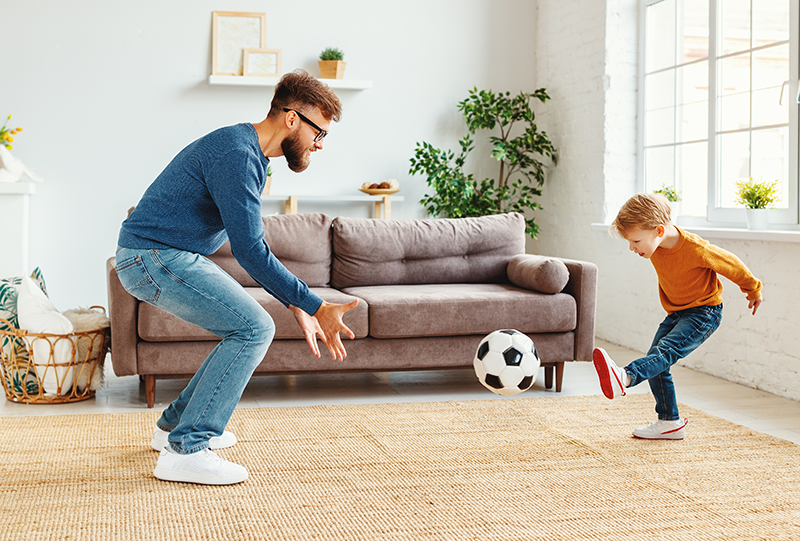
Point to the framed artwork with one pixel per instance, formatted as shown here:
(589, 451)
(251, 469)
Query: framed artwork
(232, 33)
(262, 62)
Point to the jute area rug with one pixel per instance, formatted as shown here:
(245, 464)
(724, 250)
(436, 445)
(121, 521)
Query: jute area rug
(539, 468)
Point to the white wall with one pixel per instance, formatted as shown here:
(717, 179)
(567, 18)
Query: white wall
(593, 124)
(108, 92)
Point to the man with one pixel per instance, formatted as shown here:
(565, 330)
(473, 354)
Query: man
(210, 193)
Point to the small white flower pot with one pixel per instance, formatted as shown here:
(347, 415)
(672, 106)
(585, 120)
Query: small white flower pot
(757, 219)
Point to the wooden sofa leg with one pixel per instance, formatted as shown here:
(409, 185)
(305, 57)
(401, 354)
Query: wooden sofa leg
(559, 376)
(150, 390)
(548, 377)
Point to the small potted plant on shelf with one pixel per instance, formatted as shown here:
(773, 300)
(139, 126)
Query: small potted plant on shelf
(674, 198)
(331, 63)
(757, 197)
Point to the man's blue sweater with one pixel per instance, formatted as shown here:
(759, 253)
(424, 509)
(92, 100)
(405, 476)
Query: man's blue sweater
(210, 193)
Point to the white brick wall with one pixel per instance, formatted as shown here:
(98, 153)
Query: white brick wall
(587, 60)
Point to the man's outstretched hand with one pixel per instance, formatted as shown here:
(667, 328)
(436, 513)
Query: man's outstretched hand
(327, 324)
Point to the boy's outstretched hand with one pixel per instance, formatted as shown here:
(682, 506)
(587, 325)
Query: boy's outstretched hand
(327, 324)
(754, 304)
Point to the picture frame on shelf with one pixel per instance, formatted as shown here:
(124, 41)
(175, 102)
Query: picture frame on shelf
(233, 32)
(262, 63)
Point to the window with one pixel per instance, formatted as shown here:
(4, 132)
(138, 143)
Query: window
(718, 103)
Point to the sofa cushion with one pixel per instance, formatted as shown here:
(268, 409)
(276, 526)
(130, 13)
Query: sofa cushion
(302, 242)
(462, 309)
(542, 274)
(156, 325)
(467, 250)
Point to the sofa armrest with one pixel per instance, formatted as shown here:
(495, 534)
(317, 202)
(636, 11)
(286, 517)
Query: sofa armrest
(582, 285)
(122, 310)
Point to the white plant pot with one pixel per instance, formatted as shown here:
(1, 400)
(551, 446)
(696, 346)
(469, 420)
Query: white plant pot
(757, 219)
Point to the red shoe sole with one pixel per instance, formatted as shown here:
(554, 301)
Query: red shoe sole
(601, 366)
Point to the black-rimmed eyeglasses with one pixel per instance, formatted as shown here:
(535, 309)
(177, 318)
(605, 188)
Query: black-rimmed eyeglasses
(321, 133)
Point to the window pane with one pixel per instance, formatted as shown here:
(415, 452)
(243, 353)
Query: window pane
(659, 126)
(767, 110)
(692, 121)
(660, 36)
(695, 30)
(770, 162)
(660, 90)
(734, 112)
(771, 67)
(734, 165)
(734, 74)
(692, 83)
(735, 27)
(770, 21)
(692, 180)
(659, 167)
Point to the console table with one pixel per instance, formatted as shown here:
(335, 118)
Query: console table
(383, 203)
(15, 217)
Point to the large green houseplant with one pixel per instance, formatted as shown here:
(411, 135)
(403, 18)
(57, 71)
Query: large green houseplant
(456, 193)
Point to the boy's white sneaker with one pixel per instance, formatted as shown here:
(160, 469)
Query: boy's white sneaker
(663, 430)
(204, 468)
(159, 441)
(612, 377)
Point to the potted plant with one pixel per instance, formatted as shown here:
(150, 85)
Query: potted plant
(457, 194)
(757, 197)
(331, 63)
(674, 198)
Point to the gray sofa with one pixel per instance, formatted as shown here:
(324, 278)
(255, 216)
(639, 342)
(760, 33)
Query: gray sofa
(429, 291)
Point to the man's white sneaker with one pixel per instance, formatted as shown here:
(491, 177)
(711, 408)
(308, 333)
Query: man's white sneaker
(159, 441)
(663, 430)
(612, 377)
(204, 468)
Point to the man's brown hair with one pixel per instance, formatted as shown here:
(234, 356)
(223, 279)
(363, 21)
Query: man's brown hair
(642, 211)
(301, 91)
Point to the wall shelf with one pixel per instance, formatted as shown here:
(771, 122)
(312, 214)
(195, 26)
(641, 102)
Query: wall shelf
(382, 203)
(240, 80)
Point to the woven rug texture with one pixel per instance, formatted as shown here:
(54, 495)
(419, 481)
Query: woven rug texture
(512, 469)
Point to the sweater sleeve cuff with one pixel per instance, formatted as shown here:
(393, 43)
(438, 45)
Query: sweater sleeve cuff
(310, 304)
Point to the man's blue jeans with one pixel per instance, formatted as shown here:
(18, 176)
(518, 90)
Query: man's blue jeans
(196, 290)
(678, 335)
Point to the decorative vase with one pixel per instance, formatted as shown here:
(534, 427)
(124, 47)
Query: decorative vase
(331, 69)
(757, 219)
(268, 185)
(675, 207)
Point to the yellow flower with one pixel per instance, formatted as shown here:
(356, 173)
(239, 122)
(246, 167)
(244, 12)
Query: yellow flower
(9, 139)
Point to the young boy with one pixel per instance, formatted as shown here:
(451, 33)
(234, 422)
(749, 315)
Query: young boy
(690, 292)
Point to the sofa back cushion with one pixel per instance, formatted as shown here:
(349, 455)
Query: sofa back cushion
(302, 242)
(465, 250)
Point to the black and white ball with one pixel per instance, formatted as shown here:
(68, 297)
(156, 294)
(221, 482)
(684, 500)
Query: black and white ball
(506, 362)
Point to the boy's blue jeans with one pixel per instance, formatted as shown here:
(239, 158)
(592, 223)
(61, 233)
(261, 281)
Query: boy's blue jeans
(678, 335)
(196, 290)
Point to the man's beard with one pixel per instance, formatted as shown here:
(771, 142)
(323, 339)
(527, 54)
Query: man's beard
(295, 152)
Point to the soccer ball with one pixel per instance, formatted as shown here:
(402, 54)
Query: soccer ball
(506, 362)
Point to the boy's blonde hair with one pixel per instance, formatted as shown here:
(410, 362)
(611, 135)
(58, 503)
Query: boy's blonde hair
(642, 211)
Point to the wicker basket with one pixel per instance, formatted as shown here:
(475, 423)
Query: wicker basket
(51, 368)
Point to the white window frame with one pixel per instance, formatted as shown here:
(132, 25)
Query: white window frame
(715, 214)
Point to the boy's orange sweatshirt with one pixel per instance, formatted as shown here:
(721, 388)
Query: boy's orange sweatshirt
(687, 273)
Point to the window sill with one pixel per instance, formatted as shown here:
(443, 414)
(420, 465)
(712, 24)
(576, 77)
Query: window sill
(730, 233)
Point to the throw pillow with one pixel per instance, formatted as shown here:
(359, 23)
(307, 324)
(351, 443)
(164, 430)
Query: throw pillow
(52, 356)
(538, 273)
(18, 373)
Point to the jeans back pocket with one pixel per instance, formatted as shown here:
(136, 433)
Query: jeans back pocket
(136, 280)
